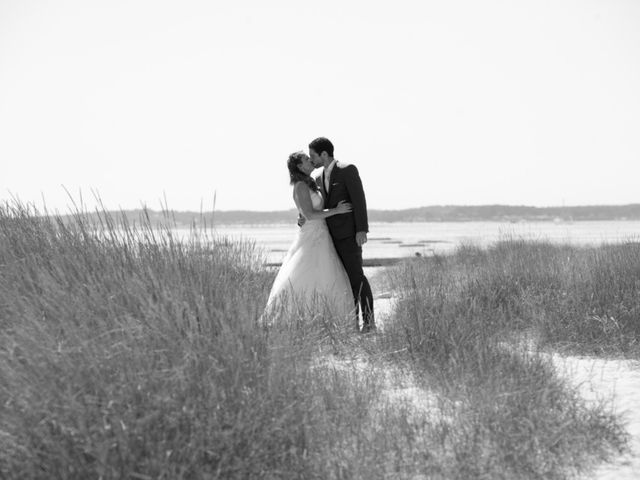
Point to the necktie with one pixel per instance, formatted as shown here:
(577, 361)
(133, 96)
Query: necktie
(326, 181)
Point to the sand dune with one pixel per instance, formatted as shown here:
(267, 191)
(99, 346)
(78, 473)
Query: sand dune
(614, 380)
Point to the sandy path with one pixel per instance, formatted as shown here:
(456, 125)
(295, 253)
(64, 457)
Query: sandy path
(617, 381)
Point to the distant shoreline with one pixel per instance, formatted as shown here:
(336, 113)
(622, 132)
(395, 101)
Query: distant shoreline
(458, 213)
(437, 213)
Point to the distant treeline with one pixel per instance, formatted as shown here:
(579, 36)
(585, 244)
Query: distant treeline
(453, 213)
(446, 213)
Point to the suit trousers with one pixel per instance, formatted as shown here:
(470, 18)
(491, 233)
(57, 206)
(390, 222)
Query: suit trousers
(351, 255)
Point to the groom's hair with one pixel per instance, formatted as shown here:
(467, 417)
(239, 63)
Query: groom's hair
(322, 144)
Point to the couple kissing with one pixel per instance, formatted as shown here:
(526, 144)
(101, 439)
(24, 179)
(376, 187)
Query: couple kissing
(325, 260)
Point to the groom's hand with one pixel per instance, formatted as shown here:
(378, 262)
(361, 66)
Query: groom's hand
(361, 238)
(301, 220)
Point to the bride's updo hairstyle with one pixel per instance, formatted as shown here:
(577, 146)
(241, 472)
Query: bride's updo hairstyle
(295, 175)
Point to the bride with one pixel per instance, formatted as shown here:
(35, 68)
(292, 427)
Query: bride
(312, 274)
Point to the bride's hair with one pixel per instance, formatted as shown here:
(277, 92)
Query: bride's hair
(295, 175)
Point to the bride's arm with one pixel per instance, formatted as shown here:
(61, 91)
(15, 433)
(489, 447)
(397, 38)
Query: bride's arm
(302, 197)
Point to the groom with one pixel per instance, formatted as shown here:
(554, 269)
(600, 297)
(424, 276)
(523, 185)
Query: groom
(340, 182)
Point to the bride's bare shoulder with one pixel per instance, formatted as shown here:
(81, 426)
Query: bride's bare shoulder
(300, 188)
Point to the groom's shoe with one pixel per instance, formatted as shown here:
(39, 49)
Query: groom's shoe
(369, 328)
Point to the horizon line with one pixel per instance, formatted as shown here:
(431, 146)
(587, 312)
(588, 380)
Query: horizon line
(618, 205)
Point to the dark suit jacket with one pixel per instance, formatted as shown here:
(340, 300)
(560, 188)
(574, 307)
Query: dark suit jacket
(345, 184)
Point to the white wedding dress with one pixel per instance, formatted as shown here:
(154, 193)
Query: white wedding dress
(312, 279)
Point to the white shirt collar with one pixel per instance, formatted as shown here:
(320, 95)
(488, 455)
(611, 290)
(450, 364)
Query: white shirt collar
(329, 168)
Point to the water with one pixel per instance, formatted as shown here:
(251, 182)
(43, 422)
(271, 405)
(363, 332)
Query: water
(404, 239)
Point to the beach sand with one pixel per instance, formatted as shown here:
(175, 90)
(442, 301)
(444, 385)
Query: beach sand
(617, 381)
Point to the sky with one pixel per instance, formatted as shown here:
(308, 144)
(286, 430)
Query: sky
(194, 103)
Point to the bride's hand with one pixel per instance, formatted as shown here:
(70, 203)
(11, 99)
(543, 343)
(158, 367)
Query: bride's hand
(343, 207)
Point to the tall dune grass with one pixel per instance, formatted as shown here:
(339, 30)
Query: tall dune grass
(121, 348)
(125, 353)
(585, 299)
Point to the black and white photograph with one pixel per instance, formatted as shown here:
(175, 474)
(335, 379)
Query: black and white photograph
(320, 240)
